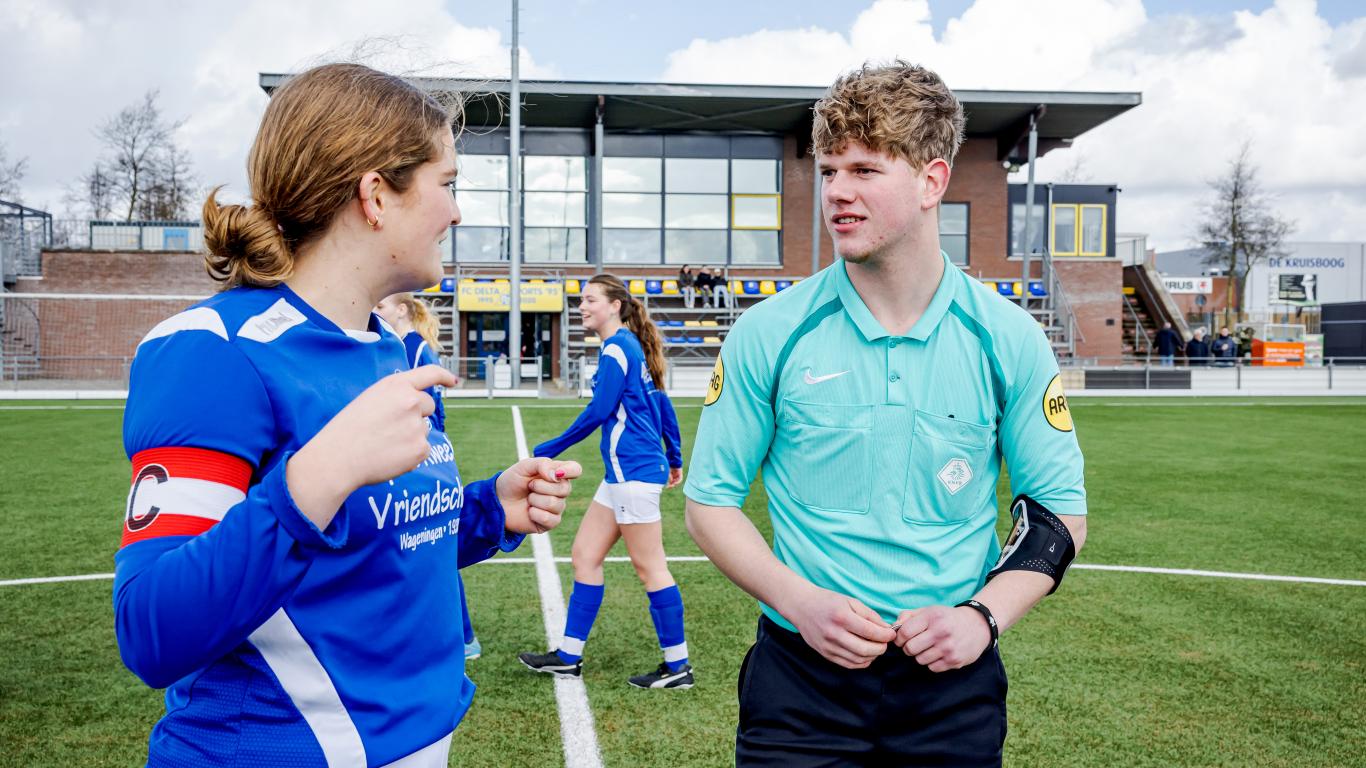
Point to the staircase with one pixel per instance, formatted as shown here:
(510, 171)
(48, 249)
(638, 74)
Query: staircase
(18, 340)
(1139, 330)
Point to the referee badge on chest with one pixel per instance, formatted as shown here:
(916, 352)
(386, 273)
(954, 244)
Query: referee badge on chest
(955, 475)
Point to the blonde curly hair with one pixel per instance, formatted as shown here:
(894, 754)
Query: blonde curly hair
(901, 109)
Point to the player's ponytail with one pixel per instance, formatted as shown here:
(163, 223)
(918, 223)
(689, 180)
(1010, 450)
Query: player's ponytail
(245, 246)
(424, 320)
(637, 320)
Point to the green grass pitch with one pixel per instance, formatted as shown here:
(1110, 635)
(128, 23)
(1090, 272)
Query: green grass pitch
(1116, 669)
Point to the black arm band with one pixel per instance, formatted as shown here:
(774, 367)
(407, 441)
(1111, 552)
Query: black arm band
(1038, 542)
(986, 614)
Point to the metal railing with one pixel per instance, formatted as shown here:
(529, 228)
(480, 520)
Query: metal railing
(1345, 374)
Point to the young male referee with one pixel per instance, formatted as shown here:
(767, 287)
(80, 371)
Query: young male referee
(879, 397)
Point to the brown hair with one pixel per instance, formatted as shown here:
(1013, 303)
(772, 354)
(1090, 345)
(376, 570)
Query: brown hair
(637, 320)
(322, 130)
(424, 321)
(901, 109)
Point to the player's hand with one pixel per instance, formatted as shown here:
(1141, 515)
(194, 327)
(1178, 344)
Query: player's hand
(943, 638)
(840, 628)
(675, 477)
(533, 493)
(376, 437)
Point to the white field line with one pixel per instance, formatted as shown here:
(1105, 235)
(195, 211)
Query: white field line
(700, 559)
(571, 697)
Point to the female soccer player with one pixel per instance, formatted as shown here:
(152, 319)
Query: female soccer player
(290, 546)
(636, 416)
(412, 320)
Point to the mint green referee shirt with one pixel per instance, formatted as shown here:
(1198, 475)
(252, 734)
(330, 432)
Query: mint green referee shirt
(881, 453)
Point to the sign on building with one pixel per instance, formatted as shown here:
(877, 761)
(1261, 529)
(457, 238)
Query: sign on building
(1203, 285)
(475, 296)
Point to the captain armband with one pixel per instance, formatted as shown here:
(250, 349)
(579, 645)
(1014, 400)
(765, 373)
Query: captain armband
(1038, 542)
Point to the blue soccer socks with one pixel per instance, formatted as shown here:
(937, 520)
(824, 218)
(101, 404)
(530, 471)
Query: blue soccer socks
(666, 609)
(584, 603)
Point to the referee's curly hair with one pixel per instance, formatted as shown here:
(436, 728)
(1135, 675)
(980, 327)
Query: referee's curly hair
(901, 109)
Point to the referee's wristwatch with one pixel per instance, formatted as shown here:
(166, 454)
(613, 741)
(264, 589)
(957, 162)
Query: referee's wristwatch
(986, 614)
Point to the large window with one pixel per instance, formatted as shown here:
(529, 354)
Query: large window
(953, 231)
(690, 210)
(1079, 230)
(1017, 229)
(554, 208)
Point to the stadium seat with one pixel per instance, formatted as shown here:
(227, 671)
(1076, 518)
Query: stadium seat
(694, 339)
(670, 287)
(571, 286)
(1036, 289)
(448, 285)
(751, 287)
(767, 288)
(592, 341)
(466, 279)
(672, 323)
(692, 323)
(1005, 289)
(710, 324)
(654, 287)
(782, 285)
(736, 287)
(637, 287)
(712, 339)
(432, 289)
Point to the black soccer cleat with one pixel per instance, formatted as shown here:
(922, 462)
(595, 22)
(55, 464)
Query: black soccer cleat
(551, 664)
(663, 678)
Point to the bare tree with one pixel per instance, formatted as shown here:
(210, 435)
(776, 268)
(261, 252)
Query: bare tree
(1076, 172)
(11, 174)
(144, 173)
(1239, 227)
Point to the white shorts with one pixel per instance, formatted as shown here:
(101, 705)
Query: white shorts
(632, 501)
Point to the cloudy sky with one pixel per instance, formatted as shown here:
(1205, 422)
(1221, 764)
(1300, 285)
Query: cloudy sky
(1287, 75)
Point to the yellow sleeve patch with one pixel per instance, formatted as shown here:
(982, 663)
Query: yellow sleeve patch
(1055, 406)
(718, 380)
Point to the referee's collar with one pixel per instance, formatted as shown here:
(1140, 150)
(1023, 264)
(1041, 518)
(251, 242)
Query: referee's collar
(871, 329)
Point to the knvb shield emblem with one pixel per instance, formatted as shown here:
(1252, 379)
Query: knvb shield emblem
(955, 475)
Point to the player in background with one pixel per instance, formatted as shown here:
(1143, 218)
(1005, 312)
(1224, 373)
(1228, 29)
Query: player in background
(288, 565)
(642, 455)
(413, 321)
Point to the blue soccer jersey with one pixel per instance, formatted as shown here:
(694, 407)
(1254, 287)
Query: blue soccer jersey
(420, 353)
(640, 439)
(279, 643)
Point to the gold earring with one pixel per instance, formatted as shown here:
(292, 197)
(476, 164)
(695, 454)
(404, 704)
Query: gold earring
(372, 222)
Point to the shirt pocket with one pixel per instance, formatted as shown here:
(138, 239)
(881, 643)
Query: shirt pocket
(828, 454)
(947, 479)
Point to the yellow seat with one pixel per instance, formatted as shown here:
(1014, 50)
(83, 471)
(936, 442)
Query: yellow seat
(737, 287)
(712, 339)
(466, 279)
(710, 324)
(592, 341)
(670, 287)
(637, 287)
(571, 286)
(767, 287)
(692, 324)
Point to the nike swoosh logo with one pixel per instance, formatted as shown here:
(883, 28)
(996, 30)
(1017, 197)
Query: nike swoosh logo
(809, 379)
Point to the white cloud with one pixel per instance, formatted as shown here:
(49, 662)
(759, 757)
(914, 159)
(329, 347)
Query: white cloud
(1282, 78)
(82, 61)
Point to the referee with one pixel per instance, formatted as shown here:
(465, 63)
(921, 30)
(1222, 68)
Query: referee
(879, 398)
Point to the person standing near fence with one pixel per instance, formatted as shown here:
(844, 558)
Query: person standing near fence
(294, 526)
(413, 321)
(1197, 349)
(1225, 348)
(642, 455)
(1168, 344)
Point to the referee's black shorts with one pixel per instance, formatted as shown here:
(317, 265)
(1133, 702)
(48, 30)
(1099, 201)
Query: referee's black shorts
(798, 710)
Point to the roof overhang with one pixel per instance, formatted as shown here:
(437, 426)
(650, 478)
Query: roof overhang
(666, 107)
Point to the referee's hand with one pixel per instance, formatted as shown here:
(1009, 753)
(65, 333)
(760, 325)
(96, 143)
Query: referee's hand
(840, 628)
(943, 638)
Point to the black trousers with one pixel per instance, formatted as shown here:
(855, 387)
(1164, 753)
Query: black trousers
(799, 710)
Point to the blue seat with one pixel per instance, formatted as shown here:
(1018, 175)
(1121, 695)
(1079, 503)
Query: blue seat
(694, 339)
(1005, 288)
(783, 285)
(1036, 289)
(751, 287)
(654, 287)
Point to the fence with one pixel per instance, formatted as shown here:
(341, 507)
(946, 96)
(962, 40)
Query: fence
(1248, 375)
(128, 235)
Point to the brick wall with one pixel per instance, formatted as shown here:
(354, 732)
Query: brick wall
(1094, 287)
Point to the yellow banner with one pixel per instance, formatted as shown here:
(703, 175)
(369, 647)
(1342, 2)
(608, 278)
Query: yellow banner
(494, 297)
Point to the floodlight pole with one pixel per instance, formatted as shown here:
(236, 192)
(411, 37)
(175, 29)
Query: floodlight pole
(514, 332)
(1029, 212)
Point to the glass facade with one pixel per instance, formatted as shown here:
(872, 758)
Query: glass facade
(677, 205)
(953, 231)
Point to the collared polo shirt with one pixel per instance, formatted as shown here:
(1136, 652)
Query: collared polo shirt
(881, 453)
